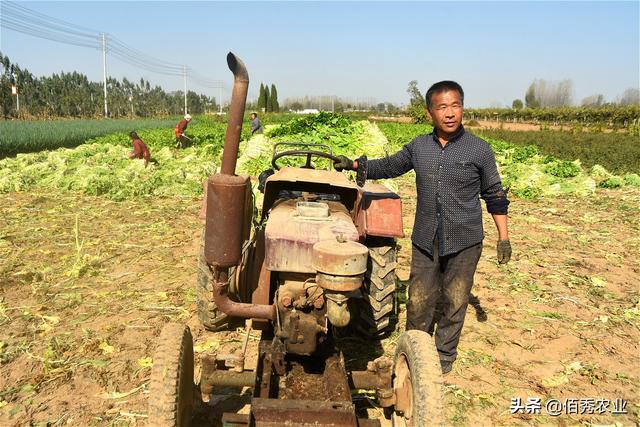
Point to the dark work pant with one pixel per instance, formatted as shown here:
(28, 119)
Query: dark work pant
(448, 279)
(181, 142)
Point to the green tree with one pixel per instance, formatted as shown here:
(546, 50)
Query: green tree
(416, 103)
(416, 97)
(542, 93)
(261, 98)
(6, 100)
(530, 99)
(73, 95)
(517, 104)
(593, 101)
(194, 102)
(392, 109)
(631, 96)
(267, 99)
(273, 99)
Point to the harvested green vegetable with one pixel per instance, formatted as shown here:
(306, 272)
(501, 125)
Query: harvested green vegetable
(101, 166)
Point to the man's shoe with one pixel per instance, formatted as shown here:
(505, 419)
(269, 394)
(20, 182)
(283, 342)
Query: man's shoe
(446, 366)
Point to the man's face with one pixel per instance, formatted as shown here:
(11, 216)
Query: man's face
(253, 116)
(446, 111)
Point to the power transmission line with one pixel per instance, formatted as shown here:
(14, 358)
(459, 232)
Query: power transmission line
(21, 19)
(17, 10)
(132, 55)
(19, 26)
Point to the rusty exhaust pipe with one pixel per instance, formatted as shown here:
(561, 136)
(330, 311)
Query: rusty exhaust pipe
(238, 309)
(228, 195)
(228, 219)
(236, 114)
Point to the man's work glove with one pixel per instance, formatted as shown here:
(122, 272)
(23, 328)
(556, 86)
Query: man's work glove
(344, 163)
(504, 251)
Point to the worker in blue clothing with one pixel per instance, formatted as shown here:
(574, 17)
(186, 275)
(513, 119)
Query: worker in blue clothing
(256, 126)
(454, 169)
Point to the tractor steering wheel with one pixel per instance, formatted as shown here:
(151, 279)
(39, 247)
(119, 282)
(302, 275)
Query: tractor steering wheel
(299, 153)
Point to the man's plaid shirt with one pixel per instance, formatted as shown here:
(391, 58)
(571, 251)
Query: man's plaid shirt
(449, 181)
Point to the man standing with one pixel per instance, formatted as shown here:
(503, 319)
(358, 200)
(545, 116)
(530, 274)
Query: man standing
(256, 126)
(140, 149)
(181, 139)
(454, 169)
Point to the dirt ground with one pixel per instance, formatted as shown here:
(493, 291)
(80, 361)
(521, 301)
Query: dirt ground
(86, 285)
(493, 124)
(522, 127)
(482, 124)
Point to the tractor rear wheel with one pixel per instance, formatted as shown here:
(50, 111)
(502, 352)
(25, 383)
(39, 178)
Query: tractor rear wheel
(417, 382)
(171, 389)
(378, 315)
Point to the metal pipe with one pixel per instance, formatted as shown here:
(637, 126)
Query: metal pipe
(218, 238)
(227, 224)
(222, 378)
(238, 309)
(236, 114)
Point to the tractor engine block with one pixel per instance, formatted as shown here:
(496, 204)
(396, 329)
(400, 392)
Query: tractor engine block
(302, 311)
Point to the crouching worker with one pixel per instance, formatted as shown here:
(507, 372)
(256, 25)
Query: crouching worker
(181, 139)
(140, 149)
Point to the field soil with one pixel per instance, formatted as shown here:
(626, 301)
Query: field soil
(86, 285)
(493, 124)
(523, 127)
(482, 124)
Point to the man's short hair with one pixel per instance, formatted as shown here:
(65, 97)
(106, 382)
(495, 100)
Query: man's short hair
(443, 86)
(133, 134)
(253, 114)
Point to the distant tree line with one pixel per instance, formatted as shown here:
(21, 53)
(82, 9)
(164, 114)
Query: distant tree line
(546, 101)
(73, 95)
(607, 115)
(339, 104)
(546, 94)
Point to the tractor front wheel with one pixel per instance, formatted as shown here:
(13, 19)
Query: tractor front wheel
(417, 382)
(171, 390)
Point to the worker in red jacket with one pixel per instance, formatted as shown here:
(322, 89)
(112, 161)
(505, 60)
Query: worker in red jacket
(140, 149)
(181, 139)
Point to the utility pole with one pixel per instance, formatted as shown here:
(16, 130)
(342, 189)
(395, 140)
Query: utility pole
(220, 98)
(184, 72)
(15, 79)
(104, 73)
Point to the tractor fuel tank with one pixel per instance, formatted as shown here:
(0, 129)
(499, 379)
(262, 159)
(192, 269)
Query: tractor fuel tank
(294, 227)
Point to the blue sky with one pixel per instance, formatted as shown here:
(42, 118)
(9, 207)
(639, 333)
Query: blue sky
(358, 49)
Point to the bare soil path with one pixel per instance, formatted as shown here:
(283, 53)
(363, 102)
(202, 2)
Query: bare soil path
(86, 285)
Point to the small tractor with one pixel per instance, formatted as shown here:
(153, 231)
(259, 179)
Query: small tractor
(320, 259)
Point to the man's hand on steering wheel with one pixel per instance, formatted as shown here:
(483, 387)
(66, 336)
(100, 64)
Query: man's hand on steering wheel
(344, 163)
